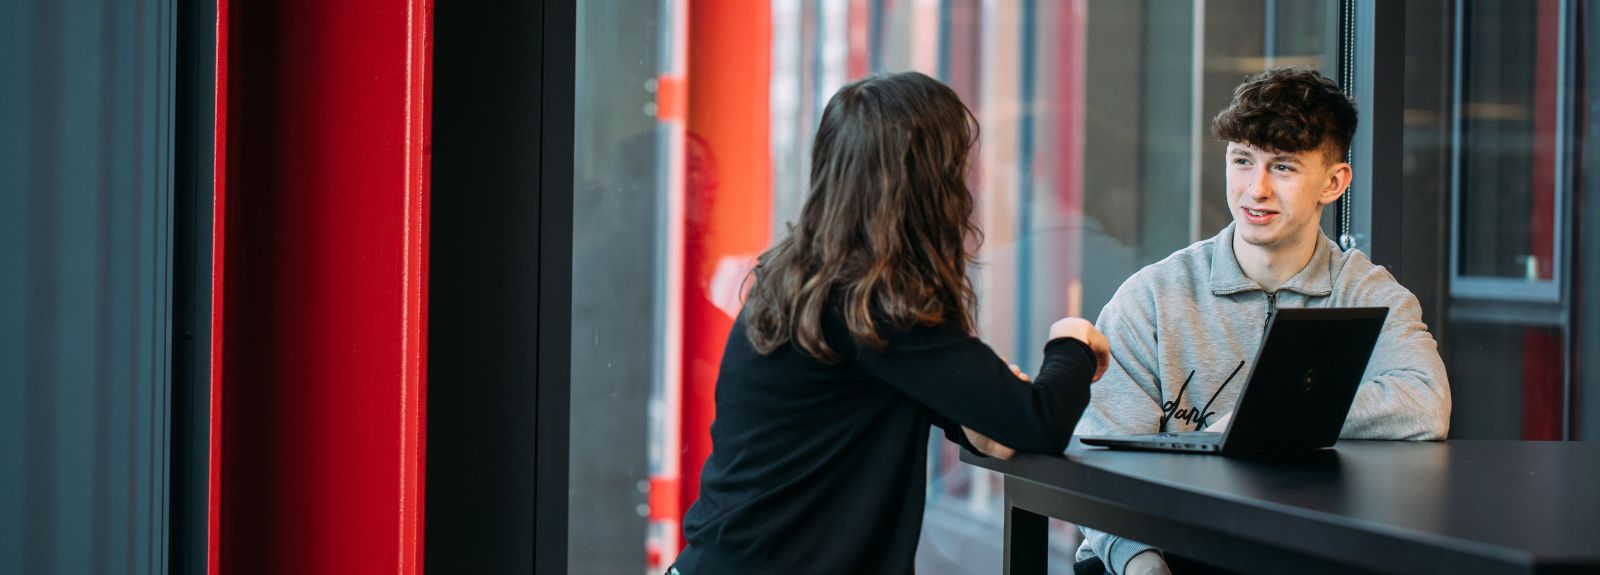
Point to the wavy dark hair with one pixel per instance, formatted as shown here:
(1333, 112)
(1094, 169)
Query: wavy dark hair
(887, 226)
(1289, 110)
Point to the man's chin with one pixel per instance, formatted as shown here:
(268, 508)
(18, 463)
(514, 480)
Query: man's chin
(1255, 236)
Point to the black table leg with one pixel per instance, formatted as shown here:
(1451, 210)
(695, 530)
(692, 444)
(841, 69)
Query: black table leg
(1027, 545)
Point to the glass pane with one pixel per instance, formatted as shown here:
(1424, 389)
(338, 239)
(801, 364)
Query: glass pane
(1508, 128)
(694, 125)
(1494, 131)
(616, 279)
(1505, 381)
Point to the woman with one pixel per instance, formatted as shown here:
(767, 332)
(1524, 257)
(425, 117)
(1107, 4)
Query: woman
(855, 337)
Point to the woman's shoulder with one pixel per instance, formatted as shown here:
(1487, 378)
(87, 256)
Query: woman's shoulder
(895, 333)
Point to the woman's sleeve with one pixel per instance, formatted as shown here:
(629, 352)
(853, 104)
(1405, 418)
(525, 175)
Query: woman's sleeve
(961, 380)
(952, 432)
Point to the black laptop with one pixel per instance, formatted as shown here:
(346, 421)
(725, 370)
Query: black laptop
(1305, 377)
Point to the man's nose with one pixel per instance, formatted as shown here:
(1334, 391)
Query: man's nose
(1262, 187)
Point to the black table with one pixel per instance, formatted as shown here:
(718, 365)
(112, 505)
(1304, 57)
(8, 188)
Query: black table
(1381, 506)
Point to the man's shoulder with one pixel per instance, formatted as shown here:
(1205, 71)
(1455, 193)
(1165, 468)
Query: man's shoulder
(1182, 270)
(1179, 277)
(1357, 278)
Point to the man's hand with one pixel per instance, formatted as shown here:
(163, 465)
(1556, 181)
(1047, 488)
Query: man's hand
(988, 446)
(1148, 562)
(1015, 370)
(1080, 329)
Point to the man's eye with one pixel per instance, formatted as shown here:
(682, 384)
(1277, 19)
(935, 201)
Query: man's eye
(1240, 162)
(1284, 168)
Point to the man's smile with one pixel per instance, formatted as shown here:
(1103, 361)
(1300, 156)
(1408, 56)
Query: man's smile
(1258, 217)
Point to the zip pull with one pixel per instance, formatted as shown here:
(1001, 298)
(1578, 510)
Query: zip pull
(1272, 309)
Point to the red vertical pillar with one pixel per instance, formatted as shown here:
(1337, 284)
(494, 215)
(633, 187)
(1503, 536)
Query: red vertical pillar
(320, 230)
(728, 183)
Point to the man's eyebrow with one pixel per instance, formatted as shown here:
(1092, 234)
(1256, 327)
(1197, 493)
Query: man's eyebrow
(1277, 158)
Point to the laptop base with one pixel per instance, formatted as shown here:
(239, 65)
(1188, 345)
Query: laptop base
(1194, 441)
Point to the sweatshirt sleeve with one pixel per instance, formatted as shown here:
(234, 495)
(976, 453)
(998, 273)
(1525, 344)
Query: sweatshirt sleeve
(963, 382)
(1404, 393)
(1126, 400)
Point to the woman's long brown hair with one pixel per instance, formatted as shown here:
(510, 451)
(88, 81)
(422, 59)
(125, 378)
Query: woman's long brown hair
(887, 227)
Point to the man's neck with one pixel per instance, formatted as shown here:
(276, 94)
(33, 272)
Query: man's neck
(1271, 268)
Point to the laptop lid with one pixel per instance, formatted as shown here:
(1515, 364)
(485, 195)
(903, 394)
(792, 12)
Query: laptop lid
(1304, 379)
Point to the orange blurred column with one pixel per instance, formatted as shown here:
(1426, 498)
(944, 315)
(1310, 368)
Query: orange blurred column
(728, 183)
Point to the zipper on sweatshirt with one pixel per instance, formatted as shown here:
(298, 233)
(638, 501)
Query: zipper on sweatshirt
(1272, 309)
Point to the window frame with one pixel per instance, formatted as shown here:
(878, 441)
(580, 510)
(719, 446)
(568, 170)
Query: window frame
(1499, 289)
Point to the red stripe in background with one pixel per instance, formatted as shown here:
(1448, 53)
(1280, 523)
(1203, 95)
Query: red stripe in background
(1542, 348)
(859, 32)
(1541, 384)
(1071, 93)
(419, 154)
(1545, 132)
(218, 272)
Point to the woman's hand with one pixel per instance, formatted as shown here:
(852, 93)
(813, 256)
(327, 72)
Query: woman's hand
(1080, 329)
(988, 446)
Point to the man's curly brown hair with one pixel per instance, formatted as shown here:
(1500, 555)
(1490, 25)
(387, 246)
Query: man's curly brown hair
(1289, 110)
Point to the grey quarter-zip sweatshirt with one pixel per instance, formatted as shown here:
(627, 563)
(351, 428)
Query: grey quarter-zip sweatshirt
(1184, 330)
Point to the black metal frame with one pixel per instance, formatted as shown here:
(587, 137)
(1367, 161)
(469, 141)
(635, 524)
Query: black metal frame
(500, 281)
(194, 196)
(1380, 91)
(1372, 32)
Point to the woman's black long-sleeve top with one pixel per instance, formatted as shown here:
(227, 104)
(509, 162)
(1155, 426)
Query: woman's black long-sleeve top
(819, 468)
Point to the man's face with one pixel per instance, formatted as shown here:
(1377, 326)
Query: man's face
(1277, 197)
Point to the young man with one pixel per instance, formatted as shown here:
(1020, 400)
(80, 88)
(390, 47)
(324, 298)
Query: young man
(1183, 330)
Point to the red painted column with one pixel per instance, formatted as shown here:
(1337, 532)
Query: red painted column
(322, 181)
(728, 183)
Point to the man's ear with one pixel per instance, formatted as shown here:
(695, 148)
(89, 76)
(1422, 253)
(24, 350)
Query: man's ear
(1338, 182)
